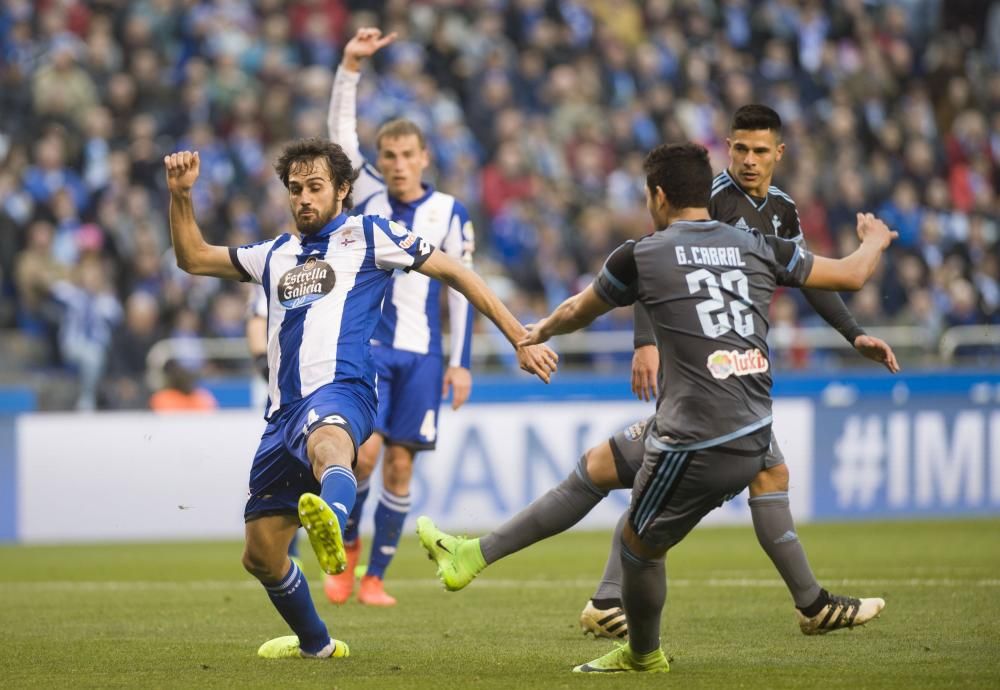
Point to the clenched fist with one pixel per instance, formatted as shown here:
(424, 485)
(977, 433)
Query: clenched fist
(182, 170)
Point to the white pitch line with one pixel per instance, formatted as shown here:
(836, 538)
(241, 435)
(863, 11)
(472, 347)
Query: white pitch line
(223, 585)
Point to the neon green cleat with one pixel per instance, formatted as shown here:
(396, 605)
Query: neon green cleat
(621, 660)
(287, 647)
(323, 528)
(459, 560)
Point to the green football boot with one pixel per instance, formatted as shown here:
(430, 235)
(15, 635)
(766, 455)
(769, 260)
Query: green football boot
(323, 528)
(287, 647)
(458, 559)
(622, 660)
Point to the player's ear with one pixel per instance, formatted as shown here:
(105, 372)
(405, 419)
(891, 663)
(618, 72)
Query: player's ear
(659, 196)
(779, 151)
(343, 190)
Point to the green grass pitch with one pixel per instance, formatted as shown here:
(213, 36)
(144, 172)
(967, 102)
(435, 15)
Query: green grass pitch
(187, 616)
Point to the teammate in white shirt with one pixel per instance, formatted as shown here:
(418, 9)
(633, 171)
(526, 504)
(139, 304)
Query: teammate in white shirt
(324, 286)
(408, 340)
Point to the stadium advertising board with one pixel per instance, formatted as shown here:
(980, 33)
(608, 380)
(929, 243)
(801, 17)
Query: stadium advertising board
(146, 476)
(925, 457)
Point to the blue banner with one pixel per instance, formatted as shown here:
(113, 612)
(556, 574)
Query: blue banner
(923, 457)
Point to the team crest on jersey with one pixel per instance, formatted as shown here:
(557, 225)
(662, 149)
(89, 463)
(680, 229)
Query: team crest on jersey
(725, 363)
(776, 223)
(305, 284)
(635, 431)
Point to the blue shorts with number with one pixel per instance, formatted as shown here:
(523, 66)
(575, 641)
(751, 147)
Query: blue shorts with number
(281, 471)
(409, 395)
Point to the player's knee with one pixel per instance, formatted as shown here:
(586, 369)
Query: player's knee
(600, 465)
(257, 564)
(367, 459)
(397, 469)
(770, 480)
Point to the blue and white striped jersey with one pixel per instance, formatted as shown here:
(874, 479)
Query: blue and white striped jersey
(411, 312)
(324, 292)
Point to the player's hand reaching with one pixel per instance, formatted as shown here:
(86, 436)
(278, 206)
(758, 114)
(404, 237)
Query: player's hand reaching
(459, 380)
(182, 170)
(872, 229)
(366, 42)
(537, 359)
(877, 350)
(645, 368)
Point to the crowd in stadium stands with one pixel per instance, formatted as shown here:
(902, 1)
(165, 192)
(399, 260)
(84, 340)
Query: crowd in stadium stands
(538, 114)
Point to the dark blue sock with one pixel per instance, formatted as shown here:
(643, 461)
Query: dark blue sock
(389, 517)
(291, 598)
(354, 521)
(339, 489)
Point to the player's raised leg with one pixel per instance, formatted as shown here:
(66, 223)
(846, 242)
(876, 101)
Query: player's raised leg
(339, 587)
(817, 610)
(460, 560)
(331, 453)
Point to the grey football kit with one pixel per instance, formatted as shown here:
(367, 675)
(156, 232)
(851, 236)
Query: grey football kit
(706, 287)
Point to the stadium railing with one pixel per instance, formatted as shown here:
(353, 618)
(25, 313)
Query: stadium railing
(489, 348)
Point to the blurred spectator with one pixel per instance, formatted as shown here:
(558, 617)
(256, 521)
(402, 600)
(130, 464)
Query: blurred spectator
(180, 392)
(125, 386)
(540, 112)
(91, 311)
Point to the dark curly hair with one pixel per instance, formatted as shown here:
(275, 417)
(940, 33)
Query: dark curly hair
(301, 154)
(682, 171)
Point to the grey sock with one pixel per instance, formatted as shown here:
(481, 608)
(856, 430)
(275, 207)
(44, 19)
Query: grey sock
(772, 521)
(644, 591)
(557, 510)
(611, 581)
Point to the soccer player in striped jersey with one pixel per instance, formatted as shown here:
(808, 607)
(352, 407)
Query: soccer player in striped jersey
(407, 345)
(743, 196)
(325, 285)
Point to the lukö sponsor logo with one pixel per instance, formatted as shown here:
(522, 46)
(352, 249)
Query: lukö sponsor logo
(306, 283)
(725, 363)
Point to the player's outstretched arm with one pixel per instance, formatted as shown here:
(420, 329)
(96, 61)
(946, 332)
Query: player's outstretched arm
(366, 41)
(538, 360)
(194, 254)
(341, 118)
(853, 271)
(572, 315)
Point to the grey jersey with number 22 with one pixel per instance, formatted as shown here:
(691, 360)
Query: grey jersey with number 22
(707, 287)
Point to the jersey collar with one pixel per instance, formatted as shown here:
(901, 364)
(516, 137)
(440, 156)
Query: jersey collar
(759, 205)
(327, 230)
(398, 205)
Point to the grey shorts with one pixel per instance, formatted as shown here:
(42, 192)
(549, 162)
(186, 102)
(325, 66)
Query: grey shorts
(674, 489)
(629, 447)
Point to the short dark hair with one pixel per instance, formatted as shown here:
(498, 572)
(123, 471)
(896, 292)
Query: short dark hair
(756, 116)
(400, 127)
(682, 171)
(302, 153)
